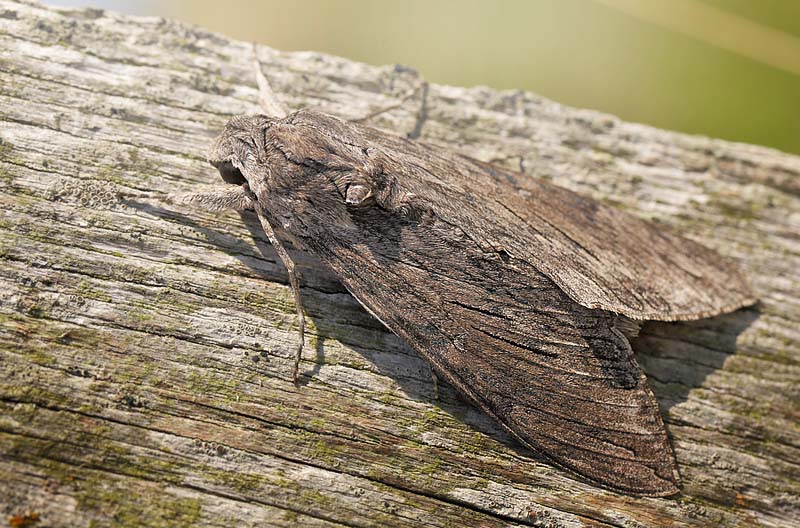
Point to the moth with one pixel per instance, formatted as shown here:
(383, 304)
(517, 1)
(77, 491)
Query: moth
(522, 302)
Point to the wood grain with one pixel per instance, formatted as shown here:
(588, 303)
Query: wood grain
(146, 350)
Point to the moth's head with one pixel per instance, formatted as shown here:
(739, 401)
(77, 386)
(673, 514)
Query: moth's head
(293, 154)
(231, 149)
(304, 170)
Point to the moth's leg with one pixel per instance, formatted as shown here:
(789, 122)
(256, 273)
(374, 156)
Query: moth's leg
(295, 285)
(627, 326)
(215, 198)
(294, 282)
(269, 102)
(435, 379)
(218, 198)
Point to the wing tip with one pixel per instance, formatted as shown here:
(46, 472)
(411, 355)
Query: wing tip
(664, 485)
(667, 491)
(728, 292)
(661, 487)
(743, 302)
(746, 299)
(652, 484)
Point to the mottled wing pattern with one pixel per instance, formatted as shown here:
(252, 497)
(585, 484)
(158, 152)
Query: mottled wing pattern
(557, 375)
(603, 257)
(512, 296)
(600, 256)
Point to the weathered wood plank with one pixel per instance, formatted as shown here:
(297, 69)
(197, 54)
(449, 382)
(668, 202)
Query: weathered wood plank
(145, 350)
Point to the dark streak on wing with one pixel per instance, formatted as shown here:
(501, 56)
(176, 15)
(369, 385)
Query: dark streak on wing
(600, 256)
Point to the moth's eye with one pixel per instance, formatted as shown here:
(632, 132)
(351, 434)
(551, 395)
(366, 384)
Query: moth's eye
(356, 194)
(230, 173)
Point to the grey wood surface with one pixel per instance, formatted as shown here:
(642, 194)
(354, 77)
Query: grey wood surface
(145, 349)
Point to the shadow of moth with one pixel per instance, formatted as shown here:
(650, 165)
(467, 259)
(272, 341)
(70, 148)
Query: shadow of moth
(520, 303)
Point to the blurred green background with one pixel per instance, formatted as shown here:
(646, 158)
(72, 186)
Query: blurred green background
(723, 68)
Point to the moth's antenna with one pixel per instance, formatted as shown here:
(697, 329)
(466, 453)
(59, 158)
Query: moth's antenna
(293, 281)
(269, 102)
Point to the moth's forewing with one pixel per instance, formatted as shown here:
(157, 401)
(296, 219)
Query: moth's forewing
(467, 294)
(554, 373)
(512, 297)
(600, 256)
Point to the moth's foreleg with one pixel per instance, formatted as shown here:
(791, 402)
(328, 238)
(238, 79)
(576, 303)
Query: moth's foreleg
(294, 281)
(215, 198)
(218, 198)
